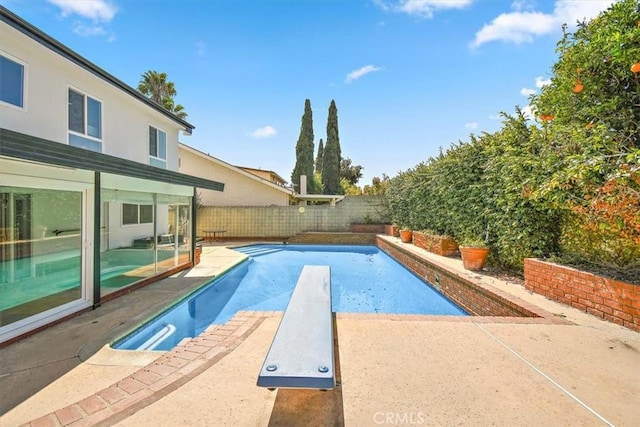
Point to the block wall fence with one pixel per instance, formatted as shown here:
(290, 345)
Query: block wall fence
(612, 300)
(271, 222)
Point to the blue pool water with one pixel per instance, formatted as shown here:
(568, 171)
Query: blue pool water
(364, 279)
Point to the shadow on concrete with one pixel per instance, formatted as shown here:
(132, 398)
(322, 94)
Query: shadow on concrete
(305, 407)
(36, 361)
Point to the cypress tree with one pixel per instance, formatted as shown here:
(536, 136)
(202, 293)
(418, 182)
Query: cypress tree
(304, 151)
(319, 157)
(332, 156)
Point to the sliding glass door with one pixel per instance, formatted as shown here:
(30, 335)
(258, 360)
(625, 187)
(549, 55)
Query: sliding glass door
(40, 250)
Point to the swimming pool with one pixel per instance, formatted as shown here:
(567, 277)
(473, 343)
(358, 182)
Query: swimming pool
(364, 279)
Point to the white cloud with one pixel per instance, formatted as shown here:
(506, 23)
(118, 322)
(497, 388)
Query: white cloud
(356, 74)
(523, 26)
(521, 5)
(88, 31)
(527, 92)
(541, 82)
(515, 27)
(263, 132)
(421, 8)
(471, 125)
(571, 11)
(96, 10)
(201, 49)
(528, 112)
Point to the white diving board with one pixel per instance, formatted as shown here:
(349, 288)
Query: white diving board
(301, 353)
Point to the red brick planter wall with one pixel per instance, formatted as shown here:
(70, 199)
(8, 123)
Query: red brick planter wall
(440, 245)
(612, 300)
(475, 299)
(334, 238)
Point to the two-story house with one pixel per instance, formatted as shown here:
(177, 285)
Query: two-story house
(91, 200)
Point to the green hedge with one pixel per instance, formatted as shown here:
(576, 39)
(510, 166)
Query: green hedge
(569, 186)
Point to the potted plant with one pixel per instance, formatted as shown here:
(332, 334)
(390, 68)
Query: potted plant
(198, 254)
(392, 230)
(474, 253)
(406, 235)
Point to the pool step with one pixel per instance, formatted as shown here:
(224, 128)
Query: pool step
(257, 251)
(157, 339)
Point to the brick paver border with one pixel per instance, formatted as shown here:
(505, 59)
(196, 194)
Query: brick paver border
(167, 373)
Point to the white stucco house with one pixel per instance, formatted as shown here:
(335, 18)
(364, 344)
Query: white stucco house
(91, 199)
(243, 186)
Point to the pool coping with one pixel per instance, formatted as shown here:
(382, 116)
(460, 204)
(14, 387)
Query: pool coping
(165, 308)
(192, 356)
(493, 303)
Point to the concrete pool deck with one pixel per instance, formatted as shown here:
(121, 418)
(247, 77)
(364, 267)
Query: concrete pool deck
(394, 370)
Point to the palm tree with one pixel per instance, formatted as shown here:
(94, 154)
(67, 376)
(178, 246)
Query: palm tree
(176, 109)
(158, 88)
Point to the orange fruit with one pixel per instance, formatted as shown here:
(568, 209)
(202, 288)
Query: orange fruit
(578, 87)
(635, 68)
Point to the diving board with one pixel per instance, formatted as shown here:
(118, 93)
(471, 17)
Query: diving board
(301, 353)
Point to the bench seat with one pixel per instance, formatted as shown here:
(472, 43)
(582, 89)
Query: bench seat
(301, 353)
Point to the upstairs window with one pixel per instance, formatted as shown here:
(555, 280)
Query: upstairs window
(11, 82)
(157, 147)
(85, 121)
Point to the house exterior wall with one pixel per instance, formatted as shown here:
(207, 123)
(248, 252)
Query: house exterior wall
(48, 76)
(49, 194)
(239, 190)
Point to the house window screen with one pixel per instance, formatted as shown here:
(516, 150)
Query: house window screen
(146, 214)
(133, 214)
(11, 82)
(94, 118)
(85, 121)
(76, 112)
(157, 147)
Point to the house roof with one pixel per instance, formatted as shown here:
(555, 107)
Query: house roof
(275, 175)
(49, 42)
(236, 169)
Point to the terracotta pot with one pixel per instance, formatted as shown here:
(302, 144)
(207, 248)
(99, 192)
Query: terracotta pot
(392, 230)
(198, 253)
(406, 236)
(473, 258)
(449, 247)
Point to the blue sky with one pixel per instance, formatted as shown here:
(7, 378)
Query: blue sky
(408, 76)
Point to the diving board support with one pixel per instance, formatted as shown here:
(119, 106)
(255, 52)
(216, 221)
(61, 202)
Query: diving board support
(301, 353)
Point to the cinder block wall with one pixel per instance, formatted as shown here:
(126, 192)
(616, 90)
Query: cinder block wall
(612, 300)
(287, 221)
